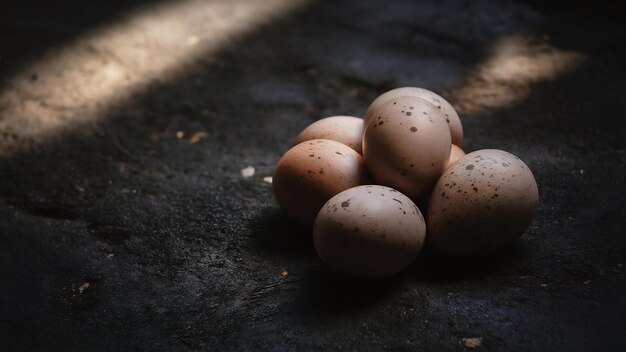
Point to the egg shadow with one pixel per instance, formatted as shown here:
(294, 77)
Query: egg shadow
(328, 293)
(273, 232)
(434, 267)
(322, 291)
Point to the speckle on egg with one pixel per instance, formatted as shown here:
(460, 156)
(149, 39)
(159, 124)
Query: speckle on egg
(311, 173)
(482, 203)
(447, 111)
(380, 237)
(391, 151)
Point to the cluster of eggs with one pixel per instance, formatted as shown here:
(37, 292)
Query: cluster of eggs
(356, 182)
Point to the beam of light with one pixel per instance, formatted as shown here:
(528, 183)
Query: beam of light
(514, 65)
(73, 85)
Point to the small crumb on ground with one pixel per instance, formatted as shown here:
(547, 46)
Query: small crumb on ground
(472, 342)
(268, 179)
(83, 287)
(247, 172)
(284, 273)
(196, 137)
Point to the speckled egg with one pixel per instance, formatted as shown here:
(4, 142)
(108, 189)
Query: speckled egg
(310, 173)
(406, 145)
(368, 232)
(448, 112)
(481, 203)
(344, 129)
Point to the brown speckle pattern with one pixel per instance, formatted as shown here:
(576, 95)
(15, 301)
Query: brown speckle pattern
(379, 232)
(482, 203)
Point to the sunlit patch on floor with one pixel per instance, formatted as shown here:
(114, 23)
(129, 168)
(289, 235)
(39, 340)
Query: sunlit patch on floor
(73, 86)
(506, 77)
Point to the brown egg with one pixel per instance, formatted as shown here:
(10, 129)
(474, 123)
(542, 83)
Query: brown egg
(406, 145)
(344, 129)
(456, 153)
(369, 231)
(481, 203)
(310, 173)
(448, 112)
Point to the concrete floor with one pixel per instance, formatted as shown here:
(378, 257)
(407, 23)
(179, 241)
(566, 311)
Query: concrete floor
(125, 222)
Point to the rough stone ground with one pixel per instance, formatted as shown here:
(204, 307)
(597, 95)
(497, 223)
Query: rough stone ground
(119, 235)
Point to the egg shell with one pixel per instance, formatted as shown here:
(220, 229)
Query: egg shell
(456, 153)
(344, 129)
(481, 204)
(369, 231)
(448, 112)
(310, 173)
(406, 145)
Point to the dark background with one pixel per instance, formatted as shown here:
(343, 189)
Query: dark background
(182, 253)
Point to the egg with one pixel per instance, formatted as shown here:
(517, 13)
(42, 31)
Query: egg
(482, 203)
(448, 112)
(406, 145)
(344, 129)
(310, 173)
(369, 232)
(456, 153)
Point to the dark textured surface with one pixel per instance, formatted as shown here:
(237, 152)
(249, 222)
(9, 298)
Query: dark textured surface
(182, 253)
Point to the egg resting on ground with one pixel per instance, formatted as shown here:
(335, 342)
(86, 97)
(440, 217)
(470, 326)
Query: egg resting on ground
(312, 172)
(406, 145)
(481, 204)
(448, 112)
(368, 232)
(344, 129)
